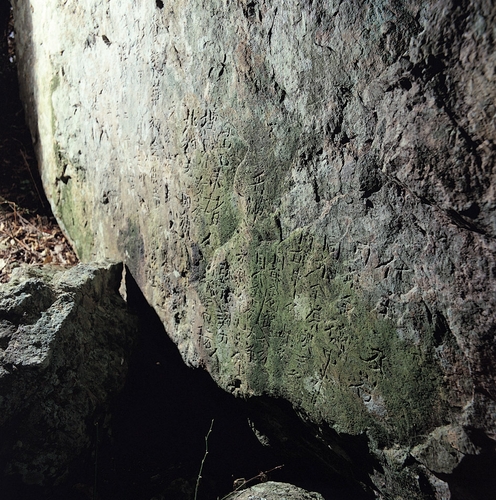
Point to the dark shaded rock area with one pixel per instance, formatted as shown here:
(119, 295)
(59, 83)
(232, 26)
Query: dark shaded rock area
(65, 340)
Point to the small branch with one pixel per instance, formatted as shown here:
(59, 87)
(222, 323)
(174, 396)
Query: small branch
(203, 461)
(261, 476)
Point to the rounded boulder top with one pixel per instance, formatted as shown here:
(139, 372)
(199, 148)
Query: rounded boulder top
(272, 490)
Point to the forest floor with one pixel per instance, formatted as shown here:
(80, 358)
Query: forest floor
(29, 233)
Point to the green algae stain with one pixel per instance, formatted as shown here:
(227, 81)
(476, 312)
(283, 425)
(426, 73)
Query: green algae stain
(288, 319)
(309, 336)
(317, 338)
(76, 219)
(228, 219)
(216, 211)
(72, 209)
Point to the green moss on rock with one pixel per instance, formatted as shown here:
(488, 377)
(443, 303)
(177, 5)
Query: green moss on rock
(310, 336)
(216, 211)
(72, 209)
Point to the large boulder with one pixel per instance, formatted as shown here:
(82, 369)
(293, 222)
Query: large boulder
(304, 191)
(65, 341)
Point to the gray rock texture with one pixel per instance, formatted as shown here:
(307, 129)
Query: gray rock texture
(65, 340)
(274, 491)
(304, 191)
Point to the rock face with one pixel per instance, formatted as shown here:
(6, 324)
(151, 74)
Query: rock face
(304, 191)
(65, 339)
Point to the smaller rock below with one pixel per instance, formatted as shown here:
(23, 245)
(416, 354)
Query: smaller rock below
(65, 340)
(272, 490)
(444, 449)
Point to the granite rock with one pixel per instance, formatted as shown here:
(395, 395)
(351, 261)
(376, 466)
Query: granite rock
(65, 341)
(303, 190)
(271, 490)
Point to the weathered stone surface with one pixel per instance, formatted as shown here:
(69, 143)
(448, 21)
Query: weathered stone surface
(274, 491)
(65, 339)
(303, 190)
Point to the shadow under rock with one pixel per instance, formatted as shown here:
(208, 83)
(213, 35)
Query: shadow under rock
(160, 422)
(162, 417)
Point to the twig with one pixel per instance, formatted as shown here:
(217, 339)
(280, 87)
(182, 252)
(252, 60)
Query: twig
(15, 209)
(204, 458)
(23, 245)
(95, 476)
(262, 476)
